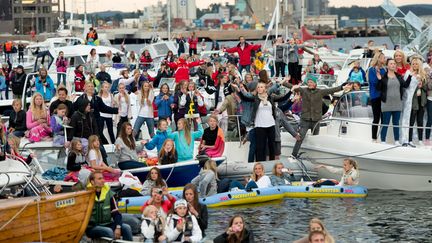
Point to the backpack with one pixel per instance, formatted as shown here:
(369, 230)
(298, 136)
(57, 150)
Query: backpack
(114, 86)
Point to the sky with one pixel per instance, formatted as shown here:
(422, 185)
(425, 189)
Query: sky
(132, 5)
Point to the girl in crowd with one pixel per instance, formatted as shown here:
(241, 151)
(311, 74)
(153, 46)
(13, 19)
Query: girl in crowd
(145, 99)
(193, 101)
(391, 86)
(37, 119)
(401, 62)
(45, 85)
(178, 109)
(79, 80)
(357, 74)
(258, 179)
(94, 157)
(170, 56)
(236, 232)
(168, 153)
(108, 100)
(223, 89)
(152, 226)
(350, 172)
(126, 148)
(157, 200)
(376, 67)
(62, 65)
(163, 102)
(75, 161)
(132, 61)
(146, 60)
(3, 85)
(316, 225)
(17, 119)
(197, 209)
(419, 99)
(206, 181)
(182, 226)
(161, 135)
(3, 141)
(154, 179)
(14, 144)
(212, 142)
(429, 102)
(281, 175)
(92, 61)
(184, 138)
(57, 121)
(123, 102)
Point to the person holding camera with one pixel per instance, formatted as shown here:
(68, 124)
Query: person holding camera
(152, 226)
(157, 200)
(182, 226)
(236, 232)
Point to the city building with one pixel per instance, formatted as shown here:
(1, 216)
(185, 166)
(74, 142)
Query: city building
(330, 21)
(316, 7)
(224, 13)
(153, 15)
(183, 9)
(23, 16)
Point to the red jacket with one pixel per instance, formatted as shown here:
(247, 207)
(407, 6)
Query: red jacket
(245, 53)
(79, 81)
(182, 68)
(146, 60)
(193, 42)
(330, 71)
(166, 205)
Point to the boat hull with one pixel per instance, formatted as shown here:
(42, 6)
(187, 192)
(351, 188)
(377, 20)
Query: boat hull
(63, 218)
(177, 174)
(382, 166)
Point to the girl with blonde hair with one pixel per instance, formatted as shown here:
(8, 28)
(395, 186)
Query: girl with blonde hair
(402, 65)
(94, 157)
(108, 100)
(316, 224)
(145, 114)
(206, 181)
(184, 138)
(350, 172)
(123, 102)
(37, 119)
(168, 153)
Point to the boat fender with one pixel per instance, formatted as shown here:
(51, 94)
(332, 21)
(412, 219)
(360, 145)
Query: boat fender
(307, 188)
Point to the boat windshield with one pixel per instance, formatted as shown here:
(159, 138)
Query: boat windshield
(354, 104)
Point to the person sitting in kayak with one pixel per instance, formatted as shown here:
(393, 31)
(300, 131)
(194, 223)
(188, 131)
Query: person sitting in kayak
(350, 172)
(316, 225)
(157, 200)
(236, 232)
(154, 179)
(199, 210)
(152, 226)
(281, 175)
(182, 226)
(206, 181)
(258, 179)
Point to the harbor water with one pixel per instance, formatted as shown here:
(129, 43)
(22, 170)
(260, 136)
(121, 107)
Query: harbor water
(384, 216)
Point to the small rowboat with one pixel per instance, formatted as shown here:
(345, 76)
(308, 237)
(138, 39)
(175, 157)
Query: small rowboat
(57, 218)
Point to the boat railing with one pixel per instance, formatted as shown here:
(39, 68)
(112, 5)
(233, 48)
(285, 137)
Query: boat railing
(345, 121)
(231, 130)
(325, 79)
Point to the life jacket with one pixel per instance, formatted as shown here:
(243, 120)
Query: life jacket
(187, 232)
(157, 229)
(101, 214)
(8, 46)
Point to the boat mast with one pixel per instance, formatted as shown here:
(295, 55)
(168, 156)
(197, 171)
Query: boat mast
(85, 18)
(286, 19)
(71, 16)
(302, 13)
(169, 18)
(277, 10)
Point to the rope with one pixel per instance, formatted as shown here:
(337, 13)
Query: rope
(169, 175)
(16, 215)
(354, 156)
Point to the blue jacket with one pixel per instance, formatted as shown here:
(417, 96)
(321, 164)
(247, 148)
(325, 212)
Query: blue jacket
(374, 93)
(185, 150)
(3, 85)
(361, 77)
(158, 140)
(164, 106)
(49, 90)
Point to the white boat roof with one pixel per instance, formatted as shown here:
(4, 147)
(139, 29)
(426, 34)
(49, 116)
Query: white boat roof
(82, 50)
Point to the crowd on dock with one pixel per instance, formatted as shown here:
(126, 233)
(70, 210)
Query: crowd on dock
(264, 102)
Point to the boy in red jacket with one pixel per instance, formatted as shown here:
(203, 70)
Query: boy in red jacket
(244, 50)
(182, 67)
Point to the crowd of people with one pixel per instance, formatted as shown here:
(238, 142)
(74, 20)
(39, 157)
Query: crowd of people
(174, 120)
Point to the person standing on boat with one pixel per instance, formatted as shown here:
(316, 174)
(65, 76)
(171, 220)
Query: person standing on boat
(311, 107)
(45, 85)
(7, 68)
(401, 62)
(244, 50)
(377, 65)
(193, 43)
(146, 61)
(91, 37)
(294, 61)
(79, 80)
(92, 61)
(106, 220)
(62, 98)
(414, 102)
(429, 102)
(17, 82)
(181, 45)
(21, 52)
(62, 65)
(182, 67)
(145, 114)
(97, 106)
(392, 86)
(103, 76)
(280, 53)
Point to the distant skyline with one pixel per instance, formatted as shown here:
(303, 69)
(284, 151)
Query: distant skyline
(133, 5)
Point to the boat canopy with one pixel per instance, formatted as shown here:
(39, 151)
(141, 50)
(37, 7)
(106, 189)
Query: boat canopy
(354, 104)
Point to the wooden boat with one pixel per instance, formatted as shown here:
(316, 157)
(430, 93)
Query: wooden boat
(57, 218)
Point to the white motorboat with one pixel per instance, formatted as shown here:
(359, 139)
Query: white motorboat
(348, 134)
